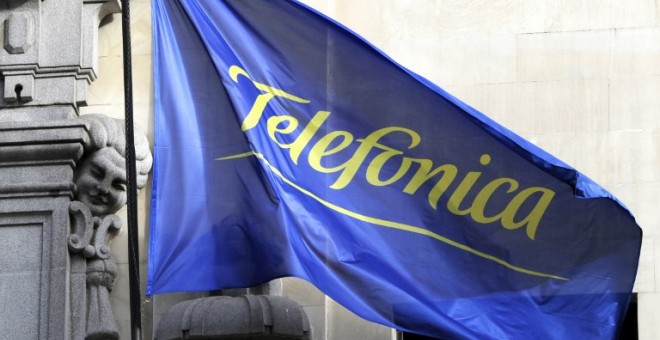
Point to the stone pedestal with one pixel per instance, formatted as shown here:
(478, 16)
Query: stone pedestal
(37, 161)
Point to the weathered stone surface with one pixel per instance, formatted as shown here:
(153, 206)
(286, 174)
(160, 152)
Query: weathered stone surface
(343, 324)
(564, 55)
(36, 168)
(34, 284)
(19, 33)
(30, 113)
(50, 50)
(20, 263)
(244, 317)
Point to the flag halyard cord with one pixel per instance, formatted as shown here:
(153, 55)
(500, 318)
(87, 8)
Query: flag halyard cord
(132, 215)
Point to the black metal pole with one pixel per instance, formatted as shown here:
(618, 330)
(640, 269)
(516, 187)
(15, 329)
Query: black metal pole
(133, 251)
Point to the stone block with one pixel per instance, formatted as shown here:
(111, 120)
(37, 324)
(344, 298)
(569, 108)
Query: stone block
(303, 292)
(92, 108)
(110, 36)
(61, 34)
(141, 28)
(120, 297)
(110, 32)
(564, 55)
(460, 58)
(641, 199)
(18, 88)
(636, 52)
(634, 103)
(323, 6)
(33, 296)
(456, 58)
(577, 15)
(343, 324)
(538, 108)
(422, 44)
(19, 305)
(60, 90)
(20, 280)
(647, 306)
(143, 109)
(120, 301)
(119, 244)
(124, 329)
(109, 88)
(589, 154)
(514, 16)
(633, 156)
(20, 248)
(609, 158)
(454, 16)
(352, 17)
(142, 78)
(113, 110)
(497, 101)
(106, 95)
(93, 13)
(573, 106)
(645, 281)
(655, 250)
(25, 114)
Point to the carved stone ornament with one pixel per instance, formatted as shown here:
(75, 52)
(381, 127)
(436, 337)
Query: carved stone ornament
(100, 191)
(19, 33)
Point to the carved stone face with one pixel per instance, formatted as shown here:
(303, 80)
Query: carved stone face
(101, 182)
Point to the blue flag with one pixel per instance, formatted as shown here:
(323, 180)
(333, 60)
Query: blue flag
(286, 145)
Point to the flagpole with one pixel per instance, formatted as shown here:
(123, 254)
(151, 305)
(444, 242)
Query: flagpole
(133, 251)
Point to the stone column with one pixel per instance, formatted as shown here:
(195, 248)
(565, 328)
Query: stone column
(47, 59)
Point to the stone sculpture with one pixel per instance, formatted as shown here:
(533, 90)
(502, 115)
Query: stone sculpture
(100, 191)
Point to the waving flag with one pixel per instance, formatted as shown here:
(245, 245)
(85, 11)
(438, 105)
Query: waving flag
(288, 146)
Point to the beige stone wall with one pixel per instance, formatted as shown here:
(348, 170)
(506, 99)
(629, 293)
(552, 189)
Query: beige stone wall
(580, 78)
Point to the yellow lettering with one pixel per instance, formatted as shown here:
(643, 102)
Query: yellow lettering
(464, 187)
(457, 197)
(423, 174)
(479, 204)
(274, 124)
(262, 100)
(380, 170)
(298, 145)
(355, 162)
(376, 165)
(532, 220)
(322, 148)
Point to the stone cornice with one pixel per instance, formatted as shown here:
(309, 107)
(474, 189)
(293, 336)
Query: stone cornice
(50, 51)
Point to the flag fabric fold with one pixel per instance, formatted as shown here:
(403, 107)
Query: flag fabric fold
(285, 145)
